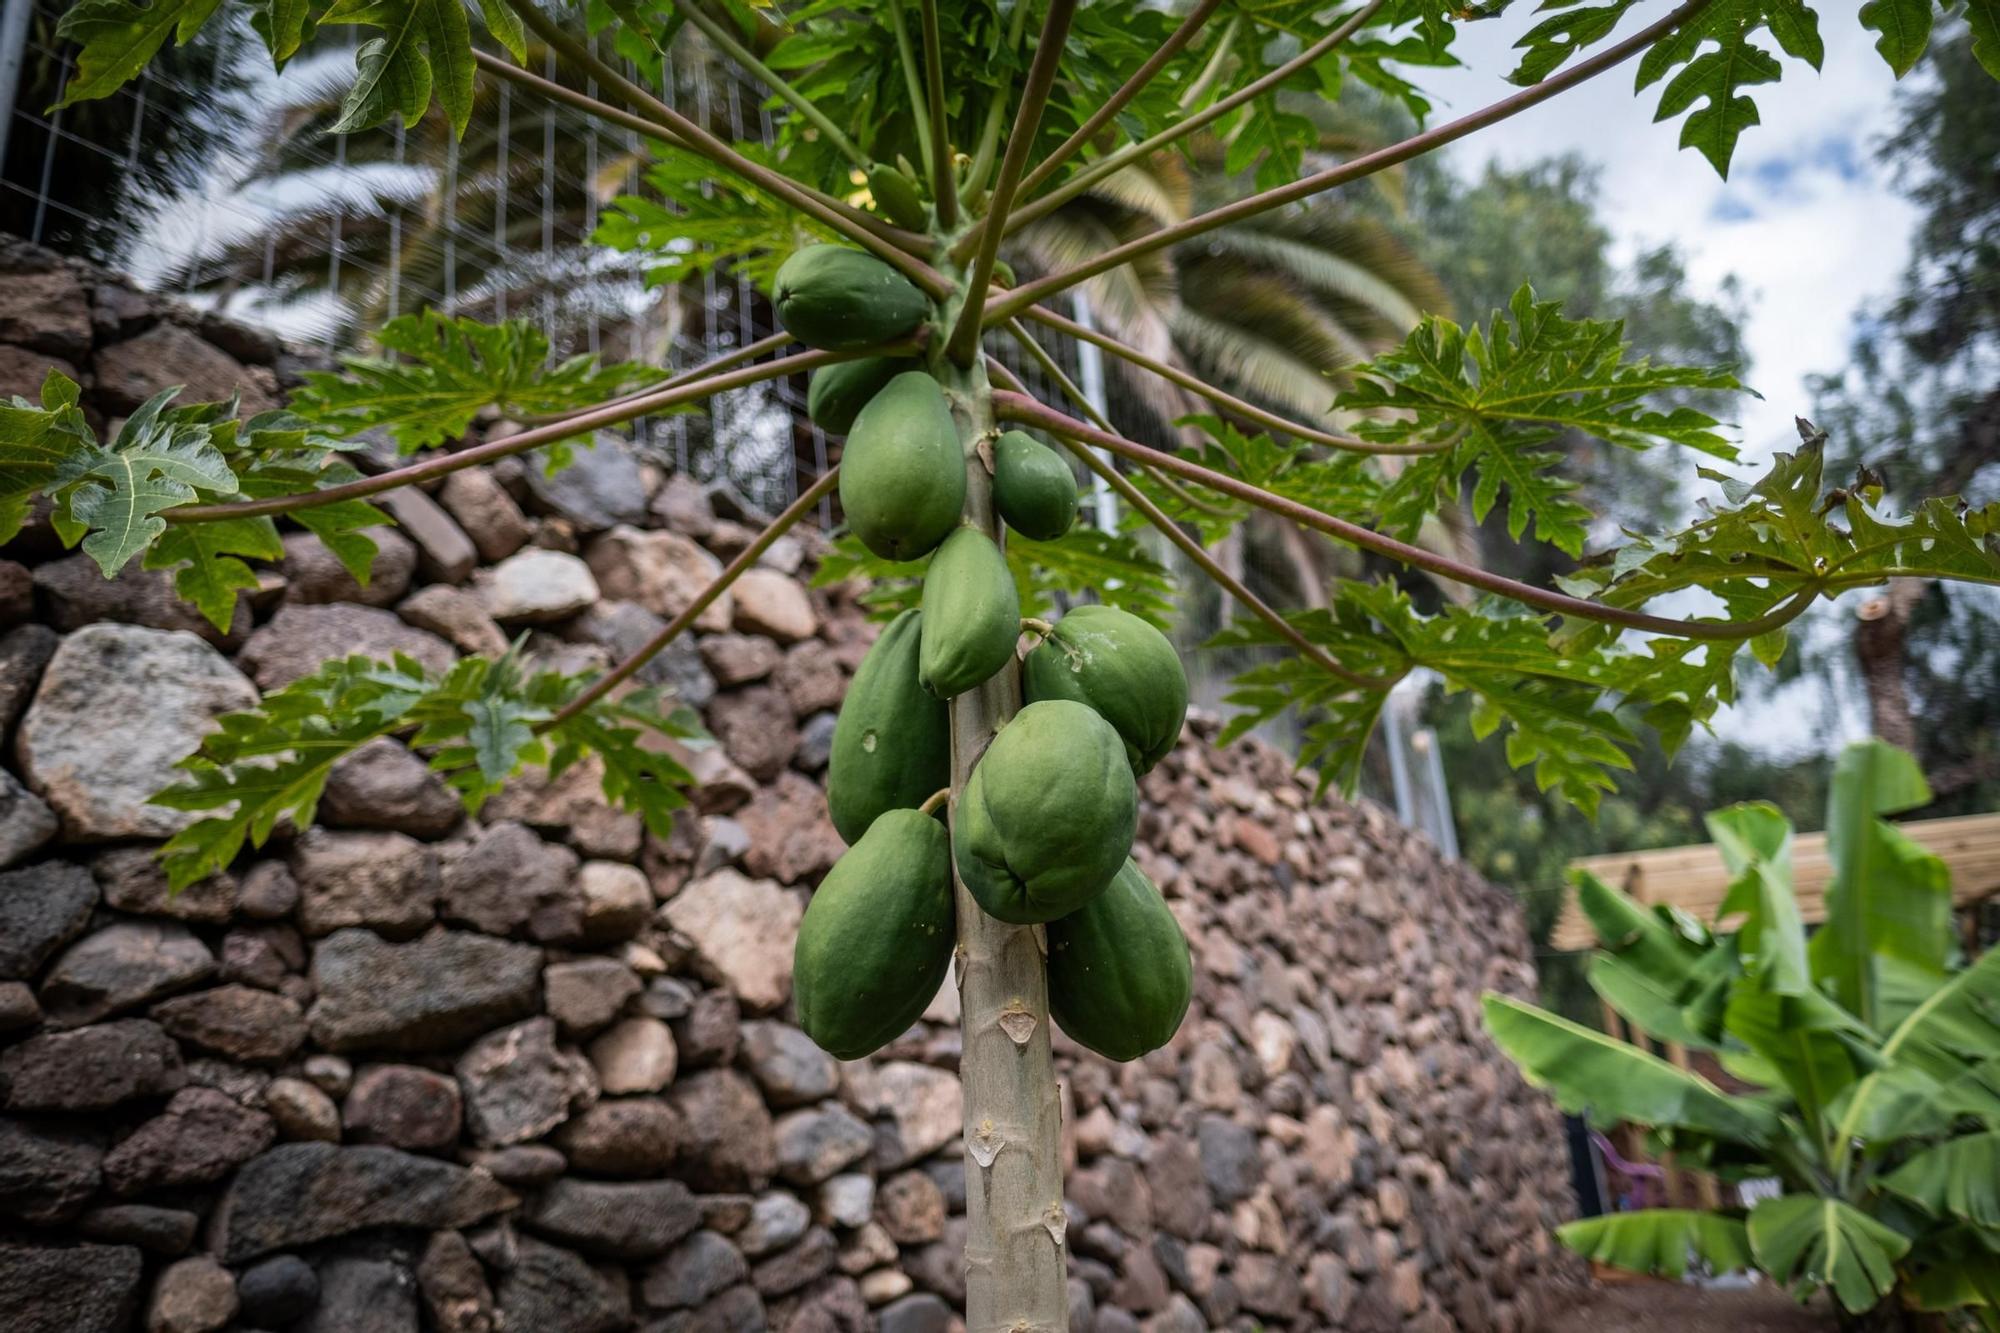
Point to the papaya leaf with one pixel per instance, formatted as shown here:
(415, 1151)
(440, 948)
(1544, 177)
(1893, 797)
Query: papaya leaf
(1612, 1080)
(207, 570)
(425, 46)
(436, 374)
(1660, 1241)
(114, 494)
(1905, 26)
(1085, 562)
(693, 220)
(118, 37)
(1495, 403)
(1810, 1241)
(478, 721)
(1717, 57)
(1959, 1176)
(36, 443)
(1983, 18)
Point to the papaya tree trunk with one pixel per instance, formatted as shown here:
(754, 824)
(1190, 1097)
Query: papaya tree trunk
(1014, 1245)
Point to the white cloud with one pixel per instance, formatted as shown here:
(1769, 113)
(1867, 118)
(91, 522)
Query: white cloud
(1807, 220)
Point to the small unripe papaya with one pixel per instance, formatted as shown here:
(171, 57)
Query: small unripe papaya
(1033, 487)
(836, 394)
(902, 475)
(972, 614)
(877, 937)
(1120, 977)
(892, 740)
(1048, 815)
(1124, 669)
(841, 300)
(897, 198)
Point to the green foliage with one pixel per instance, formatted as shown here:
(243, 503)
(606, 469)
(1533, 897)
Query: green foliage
(1883, 1128)
(114, 499)
(480, 723)
(1660, 1240)
(694, 219)
(437, 374)
(1492, 401)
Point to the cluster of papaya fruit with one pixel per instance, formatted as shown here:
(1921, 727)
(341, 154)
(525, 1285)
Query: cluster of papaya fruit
(1042, 832)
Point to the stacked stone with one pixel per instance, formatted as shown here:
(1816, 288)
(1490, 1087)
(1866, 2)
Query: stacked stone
(534, 1070)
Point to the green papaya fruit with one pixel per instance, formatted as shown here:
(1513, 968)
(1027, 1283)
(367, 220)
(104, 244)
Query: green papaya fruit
(1119, 972)
(1048, 815)
(892, 740)
(838, 300)
(897, 198)
(877, 937)
(972, 614)
(902, 475)
(1122, 667)
(1033, 487)
(836, 394)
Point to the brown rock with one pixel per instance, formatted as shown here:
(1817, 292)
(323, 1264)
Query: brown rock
(132, 371)
(488, 514)
(196, 1295)
(385, 881)
(238, 1022)
(125, 965)
(661, 571)
(910, 1208)
(738, 659)
(457, 616)
(730, 1143)
(134, 881)
(755, 726)
(315, 575)
(508, 880)
(571, 806)
(444, 553)
(404, 1106)
(383, 786)
(636, 1055)
(46, 312)
(202, 1136)
(77, 594)
(588, 993)
(299, 638)
(768, 602)
(617, 901)
(519, 1086)
(791, 837)
(454, 1286)
(811, 678)
(301, 1111)
(743, 930)
(626, 1136)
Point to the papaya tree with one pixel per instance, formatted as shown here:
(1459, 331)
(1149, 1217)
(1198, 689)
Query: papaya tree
(913, 139)
(1870, 1065)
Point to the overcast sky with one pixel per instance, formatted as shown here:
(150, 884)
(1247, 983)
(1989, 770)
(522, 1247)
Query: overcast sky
(1808, 221)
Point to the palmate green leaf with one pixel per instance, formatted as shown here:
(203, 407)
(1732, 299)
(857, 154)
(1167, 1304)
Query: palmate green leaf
(478, 722)
(36, 441)
(437, 374)
(1959, 1176)
(1563, 712)
(1761, 541)
(1983, 18)
(696, 219)
(1085, 563)
(1496, 402)
(1612, 1080)
(205, 559)
(118, 37)
(1811, 1242)
(112, 496)
(1660, 1241)
(1905, 28)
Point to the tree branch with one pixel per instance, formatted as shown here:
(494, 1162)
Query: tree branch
(742, 55)
(906, 56)
(1097, 418)
(907, 241)
(1174, 533)
(715, 150)
(678, 626)
(1023, 409)
(1111, 162)
(1027, 120)
(1367, 165)
(1191, 25)
(944, 190)
(1228, 403)
(443, 464)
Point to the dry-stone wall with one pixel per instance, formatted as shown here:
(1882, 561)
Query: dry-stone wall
(533, 1072)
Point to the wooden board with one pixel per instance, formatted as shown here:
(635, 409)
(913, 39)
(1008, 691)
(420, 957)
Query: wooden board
(1693, 878)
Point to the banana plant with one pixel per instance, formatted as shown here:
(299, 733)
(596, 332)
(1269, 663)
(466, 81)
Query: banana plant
(925, 134)
(1865, 1067)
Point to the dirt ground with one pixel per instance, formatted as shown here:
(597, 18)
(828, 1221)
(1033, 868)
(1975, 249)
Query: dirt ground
(1669, 1308)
